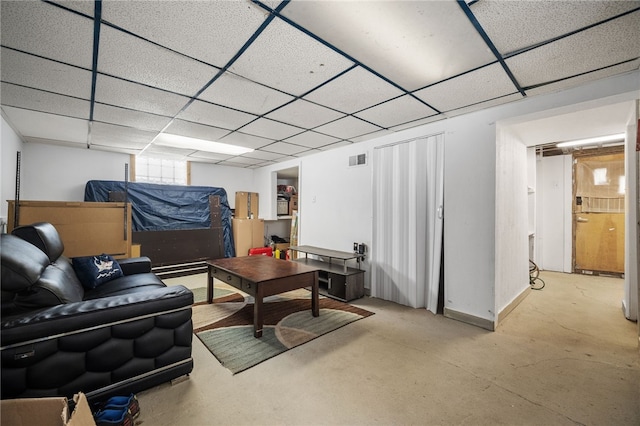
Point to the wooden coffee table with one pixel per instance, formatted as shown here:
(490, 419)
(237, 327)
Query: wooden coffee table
(262, 276)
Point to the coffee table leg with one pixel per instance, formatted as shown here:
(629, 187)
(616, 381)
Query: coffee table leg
(315, 298)
(257, 312)
(209, 285)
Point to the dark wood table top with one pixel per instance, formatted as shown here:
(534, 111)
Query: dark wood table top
(261, 268)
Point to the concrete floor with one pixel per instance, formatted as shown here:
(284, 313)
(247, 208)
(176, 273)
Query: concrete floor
(565, 356)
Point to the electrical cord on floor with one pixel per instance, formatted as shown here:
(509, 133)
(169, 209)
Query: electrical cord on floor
(534, 275)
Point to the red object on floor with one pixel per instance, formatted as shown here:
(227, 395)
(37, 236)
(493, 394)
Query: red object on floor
(261, 251)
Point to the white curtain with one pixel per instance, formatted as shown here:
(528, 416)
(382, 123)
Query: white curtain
(407, 222)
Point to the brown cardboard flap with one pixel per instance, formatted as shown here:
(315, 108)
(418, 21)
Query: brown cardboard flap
(46, 412)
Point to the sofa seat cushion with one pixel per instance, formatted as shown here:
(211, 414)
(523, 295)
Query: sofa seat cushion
(126, 285)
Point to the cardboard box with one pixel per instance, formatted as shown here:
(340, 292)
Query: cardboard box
(293, 204)
(247, 234)
(46, 412)
(247, 205)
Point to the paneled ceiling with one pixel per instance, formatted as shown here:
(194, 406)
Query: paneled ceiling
(293, 78)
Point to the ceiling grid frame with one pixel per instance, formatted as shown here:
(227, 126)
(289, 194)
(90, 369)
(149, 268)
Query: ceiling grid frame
(21, 111)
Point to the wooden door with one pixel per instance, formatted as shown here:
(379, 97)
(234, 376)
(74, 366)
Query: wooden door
(599, 214)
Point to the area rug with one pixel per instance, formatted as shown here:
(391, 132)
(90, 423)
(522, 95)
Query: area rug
(226, 326)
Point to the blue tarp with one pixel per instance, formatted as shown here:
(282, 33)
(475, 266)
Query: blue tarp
(167, 207)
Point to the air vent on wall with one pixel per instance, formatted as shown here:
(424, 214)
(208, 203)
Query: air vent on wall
(358, 160)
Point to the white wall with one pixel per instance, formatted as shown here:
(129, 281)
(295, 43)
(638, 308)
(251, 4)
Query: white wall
(512, 219)
(341, 213)
(632, 219)
(232, 179)
(554, 196)
(335, 219)
(10, 144)
(59, 173)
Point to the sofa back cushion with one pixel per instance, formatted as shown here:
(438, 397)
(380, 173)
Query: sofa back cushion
(22, 263)
(57, 285)
(44, 236)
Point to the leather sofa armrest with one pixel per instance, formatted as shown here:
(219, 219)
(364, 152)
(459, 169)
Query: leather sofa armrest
(135, 265)
(78, 316)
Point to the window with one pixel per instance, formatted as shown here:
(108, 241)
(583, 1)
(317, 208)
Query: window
(160, 170)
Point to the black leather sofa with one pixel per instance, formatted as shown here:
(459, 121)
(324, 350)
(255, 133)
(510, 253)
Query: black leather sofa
(57, 338)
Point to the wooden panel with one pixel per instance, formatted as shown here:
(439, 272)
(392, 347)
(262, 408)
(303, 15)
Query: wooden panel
(86, 229)
(600, 242)
(180, 246)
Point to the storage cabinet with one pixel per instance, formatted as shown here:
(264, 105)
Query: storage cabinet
(344, 287)
(337, 279)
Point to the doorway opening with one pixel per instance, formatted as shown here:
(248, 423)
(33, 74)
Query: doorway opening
(598, 211)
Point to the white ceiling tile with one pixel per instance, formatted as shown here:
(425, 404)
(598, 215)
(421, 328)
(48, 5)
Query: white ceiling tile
(413, 43)
(600, 46)
(371, 136)
(480, 85)
(29, 139)
(237, 92)
(397, 111)
(38, 73)
(115, 91)
(47, 30)
(347, 127)
(271, 129)
(484, 105)
(128, 117)
(304, 114)
(245, 160)
(47, 126)
(312, 139)
(120, 136)
(257, 166)
(247, 141)
(284, 148)
(86, 7)
(263, 155)
(515, 25)
(307, 153)
(131, 58)
(417, 123)
(287, 59)
(232, 163)
(354, 91)
(581, 79)
(212, 156)
(37, 100)
(212, 31)
(335, 145)
(119, 148)
(195, 130)
(160, 151)
(214, 115)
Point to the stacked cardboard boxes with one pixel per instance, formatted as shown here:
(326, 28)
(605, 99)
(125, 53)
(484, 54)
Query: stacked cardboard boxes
(247, 204)
(247, 234)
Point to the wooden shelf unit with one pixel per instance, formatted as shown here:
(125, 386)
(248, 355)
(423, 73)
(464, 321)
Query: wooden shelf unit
(337, 279)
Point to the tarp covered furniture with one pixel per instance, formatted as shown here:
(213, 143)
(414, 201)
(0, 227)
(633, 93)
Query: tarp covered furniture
(173, 224)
